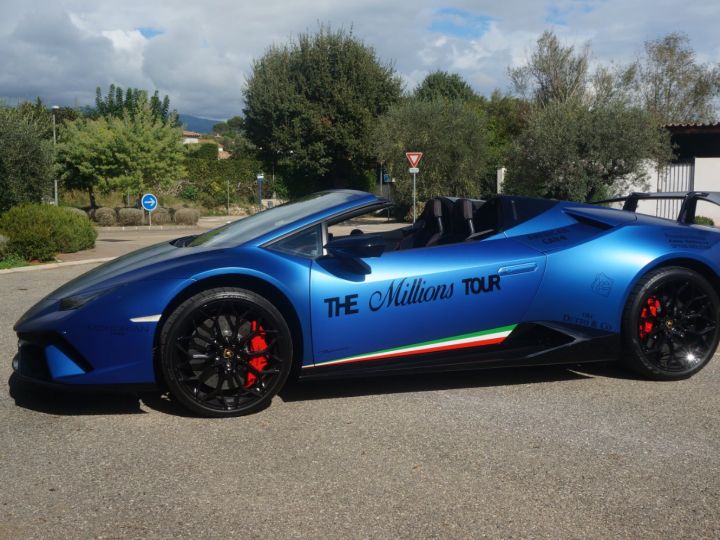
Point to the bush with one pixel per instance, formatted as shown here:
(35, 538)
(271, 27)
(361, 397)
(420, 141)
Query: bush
(76, 211)
(702, 220)
(130, 216)
(3, 246)
(204, 151)
(41, 231)
(106, 217)
(187, 216)
(26, 158)
(161, 216)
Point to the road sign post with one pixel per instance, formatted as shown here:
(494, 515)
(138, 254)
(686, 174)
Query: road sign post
(149, 203)
(414, 159)
(260, 177)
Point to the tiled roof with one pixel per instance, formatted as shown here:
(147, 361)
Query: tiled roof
(694, 125)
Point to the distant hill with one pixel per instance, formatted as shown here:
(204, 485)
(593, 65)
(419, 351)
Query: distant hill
(196, 123)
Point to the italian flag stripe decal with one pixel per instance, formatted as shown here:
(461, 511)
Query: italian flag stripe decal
(474, 339)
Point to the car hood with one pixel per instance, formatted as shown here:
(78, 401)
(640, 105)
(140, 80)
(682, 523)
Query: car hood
(139, 263)
(106, 275)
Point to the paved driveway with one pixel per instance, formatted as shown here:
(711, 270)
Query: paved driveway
(543, 452)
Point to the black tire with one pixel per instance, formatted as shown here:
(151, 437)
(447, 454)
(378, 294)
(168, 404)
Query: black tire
(671, 324)
(225, 352)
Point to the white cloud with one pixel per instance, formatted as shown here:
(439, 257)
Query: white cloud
(62, 50)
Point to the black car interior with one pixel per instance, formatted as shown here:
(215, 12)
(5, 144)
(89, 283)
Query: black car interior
(446, 220)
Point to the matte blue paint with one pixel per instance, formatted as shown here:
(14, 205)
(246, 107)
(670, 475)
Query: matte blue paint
(59, 364)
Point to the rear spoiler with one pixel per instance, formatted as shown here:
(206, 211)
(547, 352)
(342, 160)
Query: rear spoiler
(687, 209)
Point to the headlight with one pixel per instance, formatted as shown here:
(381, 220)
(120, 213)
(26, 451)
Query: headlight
(79, 300)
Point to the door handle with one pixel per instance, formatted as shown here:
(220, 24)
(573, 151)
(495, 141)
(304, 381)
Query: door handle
(517, 269)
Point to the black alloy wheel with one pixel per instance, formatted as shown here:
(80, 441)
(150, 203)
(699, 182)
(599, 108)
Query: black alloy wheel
(225, 352)
(671, 324)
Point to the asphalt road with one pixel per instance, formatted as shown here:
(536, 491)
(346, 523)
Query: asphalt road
(525, 453)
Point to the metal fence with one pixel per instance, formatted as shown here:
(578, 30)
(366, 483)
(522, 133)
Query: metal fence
(674, 177)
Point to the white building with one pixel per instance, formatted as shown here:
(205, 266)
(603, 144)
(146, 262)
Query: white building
(695, 168)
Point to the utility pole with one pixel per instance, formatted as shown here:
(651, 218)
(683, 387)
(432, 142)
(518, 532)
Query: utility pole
(55, 181)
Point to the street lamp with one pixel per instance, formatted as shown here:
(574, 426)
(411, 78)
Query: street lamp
(55, 182)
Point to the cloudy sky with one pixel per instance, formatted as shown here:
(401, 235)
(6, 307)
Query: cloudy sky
(200, 52)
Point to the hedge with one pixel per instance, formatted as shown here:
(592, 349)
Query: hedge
(702, 220)
(106, 217)
(208, 180)
(130, 216)
(40, 232)
(161, 216)
(187, 216)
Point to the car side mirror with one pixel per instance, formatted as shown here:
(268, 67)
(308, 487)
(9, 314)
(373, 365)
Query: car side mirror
(359, 246)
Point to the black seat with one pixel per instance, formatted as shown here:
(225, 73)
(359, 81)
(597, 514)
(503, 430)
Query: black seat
(462, 220)
(431, 226)
(486, 220)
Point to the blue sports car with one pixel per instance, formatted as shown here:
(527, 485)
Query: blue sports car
(223, 318)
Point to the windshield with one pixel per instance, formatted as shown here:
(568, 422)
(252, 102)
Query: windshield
(263, 222)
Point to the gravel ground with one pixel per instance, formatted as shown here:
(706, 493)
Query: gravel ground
(524, 453)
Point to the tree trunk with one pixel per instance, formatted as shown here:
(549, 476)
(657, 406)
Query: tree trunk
(93, 203)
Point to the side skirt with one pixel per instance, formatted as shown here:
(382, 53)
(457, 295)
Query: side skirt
(530, 344)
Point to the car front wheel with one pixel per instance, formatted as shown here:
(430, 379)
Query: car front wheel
(225, 352)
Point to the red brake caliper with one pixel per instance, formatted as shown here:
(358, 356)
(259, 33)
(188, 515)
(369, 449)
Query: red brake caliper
(650, 309)
(257, 343)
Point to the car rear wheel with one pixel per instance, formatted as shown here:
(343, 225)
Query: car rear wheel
(225, 352)
(671, 324)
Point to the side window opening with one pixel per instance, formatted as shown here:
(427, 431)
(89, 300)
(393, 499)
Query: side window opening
(370, 223)
(307, 243)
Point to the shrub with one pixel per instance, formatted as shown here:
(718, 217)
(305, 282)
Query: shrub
(130, 216)
(702, 220)
(41, 231)
(187, 216)
(76, 211)
(106, 217)
(161, 216)
(3, 246)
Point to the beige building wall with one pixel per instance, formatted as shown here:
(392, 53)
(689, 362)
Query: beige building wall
(707, 178)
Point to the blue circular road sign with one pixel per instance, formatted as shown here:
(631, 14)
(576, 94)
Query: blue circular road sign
(149, 202)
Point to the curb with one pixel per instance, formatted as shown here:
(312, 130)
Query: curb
(148, 228)
(50, 266)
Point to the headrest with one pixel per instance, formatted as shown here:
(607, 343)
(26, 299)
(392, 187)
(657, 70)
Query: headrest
(436, 208)
(466, 208)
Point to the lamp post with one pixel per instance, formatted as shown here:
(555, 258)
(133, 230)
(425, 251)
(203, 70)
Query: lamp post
(55, 182)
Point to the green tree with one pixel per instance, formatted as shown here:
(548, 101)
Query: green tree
(37, 112)
(132, 154)
(673, 85)
(441, 84)
(85, 156)
(584, 139)
(506, 118)
(203, 151)
(451, 136)
(26, 159)
(570, 151)
(233, 138)
(311, 105)
(148, 152)
(554, 73)
(117, 103)
(233, 126)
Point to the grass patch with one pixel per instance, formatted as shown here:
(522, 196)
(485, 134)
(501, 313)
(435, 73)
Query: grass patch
(12, 261)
